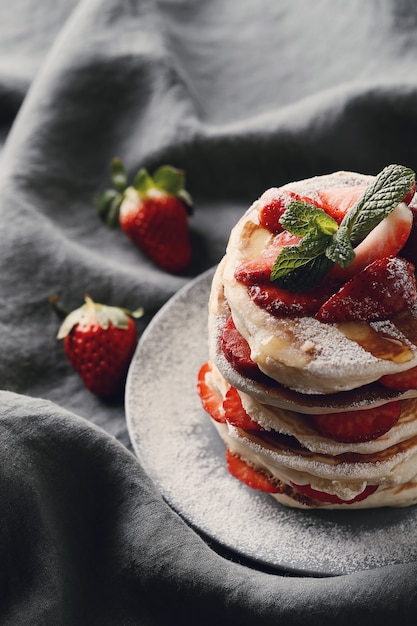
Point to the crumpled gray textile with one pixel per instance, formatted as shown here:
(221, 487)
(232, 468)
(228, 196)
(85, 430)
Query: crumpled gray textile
(242, 96)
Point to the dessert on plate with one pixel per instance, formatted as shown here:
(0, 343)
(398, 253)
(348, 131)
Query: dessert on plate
(311, 377)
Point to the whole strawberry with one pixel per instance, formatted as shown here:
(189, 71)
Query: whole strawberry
(153, 212)
(99, 341)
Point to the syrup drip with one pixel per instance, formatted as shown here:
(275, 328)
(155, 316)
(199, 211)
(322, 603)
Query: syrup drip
(380, 343)
(407, 324)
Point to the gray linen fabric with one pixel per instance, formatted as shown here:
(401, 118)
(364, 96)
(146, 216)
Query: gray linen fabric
(243, 96)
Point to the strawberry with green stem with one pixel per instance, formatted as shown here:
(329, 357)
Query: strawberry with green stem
(99, 341)
(153, 212)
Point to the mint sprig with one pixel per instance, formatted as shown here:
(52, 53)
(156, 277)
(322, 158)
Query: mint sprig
(302, 266)
(316, 229)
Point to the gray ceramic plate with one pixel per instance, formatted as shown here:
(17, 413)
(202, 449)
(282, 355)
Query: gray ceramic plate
(181, 451)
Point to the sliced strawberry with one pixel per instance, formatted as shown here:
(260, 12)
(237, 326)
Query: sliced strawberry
(281, 303)
(243, 472)
(409, 197)
(258, 270)
(356, 426)
(237, 351)
(384, 288)
(409, 251)
(211, 402)
(272, 205)
(337, 201)
(310, 492)
(230, 408)
(387, 239)
(401, 381)
(235, 413)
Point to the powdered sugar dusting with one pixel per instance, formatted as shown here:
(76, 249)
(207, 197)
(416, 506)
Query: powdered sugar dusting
(182, 452)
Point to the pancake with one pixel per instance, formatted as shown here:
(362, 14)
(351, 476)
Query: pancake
(304, 369)
(270, 391)
(302, 353)
(288, 451)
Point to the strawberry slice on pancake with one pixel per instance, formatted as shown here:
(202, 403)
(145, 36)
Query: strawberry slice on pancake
(315, 494)
(383, 289)
(235, 413)
(237, 351)
(356, 426)
(337, 201)
(401, 381)
(246, 474)
(211, 402)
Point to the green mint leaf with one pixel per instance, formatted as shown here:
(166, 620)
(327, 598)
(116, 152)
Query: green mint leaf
(301, 218)
(323, 243)
(306, 276)
(378, 201)
(306, 259)
(340, 250)
(294, 266)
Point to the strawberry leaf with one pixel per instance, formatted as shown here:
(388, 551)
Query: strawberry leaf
(96, 313)
(169, 179)
(118, 175)
(143, 181)
(108, 205)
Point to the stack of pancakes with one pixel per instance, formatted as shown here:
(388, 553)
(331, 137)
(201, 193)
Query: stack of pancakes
(301, 367)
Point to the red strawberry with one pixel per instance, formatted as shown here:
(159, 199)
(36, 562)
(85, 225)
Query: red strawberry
(355, 426)
(272, 205)
(282, 303)
(386, 239)
(220, 410)
(401, 381)
(337, 201)
(237, 352)
(99, 341)
(235, 413)
(153, 213)
(409, 251)
(310, 492)
(236, 349)
(409, 197)
(385, 287)
(245, 473)
(211, 402)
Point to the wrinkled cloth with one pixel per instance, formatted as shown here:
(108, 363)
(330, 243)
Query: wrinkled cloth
(242, 96)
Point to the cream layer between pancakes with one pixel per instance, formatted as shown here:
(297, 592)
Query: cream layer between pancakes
(301, 353)
(296, 424)
(395, 476)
